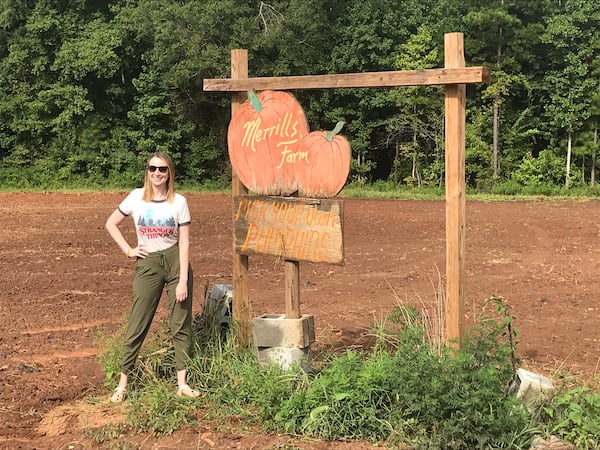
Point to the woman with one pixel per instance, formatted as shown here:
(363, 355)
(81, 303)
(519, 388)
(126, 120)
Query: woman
(162, 224)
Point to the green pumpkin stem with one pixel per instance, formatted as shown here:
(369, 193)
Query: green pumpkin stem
(336, 130)
(256, 104)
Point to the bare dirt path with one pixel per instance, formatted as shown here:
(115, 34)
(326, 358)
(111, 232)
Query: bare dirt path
(64, 283)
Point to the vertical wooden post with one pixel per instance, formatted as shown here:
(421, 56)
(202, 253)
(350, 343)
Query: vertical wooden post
(292, 289)
(291, 286)
(455, 99)
(241, 298)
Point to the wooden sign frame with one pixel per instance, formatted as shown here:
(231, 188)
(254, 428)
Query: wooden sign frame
(454, 76)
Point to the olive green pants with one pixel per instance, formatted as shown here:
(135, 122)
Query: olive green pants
(155, 272)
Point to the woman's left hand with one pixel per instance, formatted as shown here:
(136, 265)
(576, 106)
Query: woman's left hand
(181, 292)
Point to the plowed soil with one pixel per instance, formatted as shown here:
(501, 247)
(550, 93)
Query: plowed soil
(64, 283)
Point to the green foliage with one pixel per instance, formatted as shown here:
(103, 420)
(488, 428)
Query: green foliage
(230, 374)
(108, 436)
(405, 390)
(154, 407)
(574, 415)
(573, 34)
(109, 355)
(546, 169)
(478, 165)
(513, 190)
(158, 410)
(93, 50)
(418, 127)
(88, 89)
(389, 189)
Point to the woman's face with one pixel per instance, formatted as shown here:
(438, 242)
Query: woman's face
(157, 171)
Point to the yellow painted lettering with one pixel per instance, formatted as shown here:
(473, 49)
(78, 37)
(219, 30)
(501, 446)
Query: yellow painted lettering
(251, 235)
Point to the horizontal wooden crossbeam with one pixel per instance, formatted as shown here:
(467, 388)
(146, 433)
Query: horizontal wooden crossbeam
(428, 77)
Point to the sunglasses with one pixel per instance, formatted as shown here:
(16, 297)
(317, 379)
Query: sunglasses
(161, 169)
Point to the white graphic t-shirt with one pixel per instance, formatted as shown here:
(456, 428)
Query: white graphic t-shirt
(156, 222)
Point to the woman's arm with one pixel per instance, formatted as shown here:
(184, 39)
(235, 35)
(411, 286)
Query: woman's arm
(112, 225)
(181, 291)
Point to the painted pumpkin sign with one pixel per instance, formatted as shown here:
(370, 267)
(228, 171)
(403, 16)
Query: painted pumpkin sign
(263, 137)
(329, 154)
(273, 153)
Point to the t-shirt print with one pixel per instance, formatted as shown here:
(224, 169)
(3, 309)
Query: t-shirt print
(154, 224)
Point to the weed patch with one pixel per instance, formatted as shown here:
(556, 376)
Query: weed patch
(406, 389)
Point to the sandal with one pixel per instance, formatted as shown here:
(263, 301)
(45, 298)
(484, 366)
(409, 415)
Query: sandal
(186, 391)
(119, 395)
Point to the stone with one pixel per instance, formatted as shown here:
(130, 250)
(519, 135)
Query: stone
(220, 300)
(552, 443)
(531, 387)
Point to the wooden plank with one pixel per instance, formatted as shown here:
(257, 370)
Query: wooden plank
(427, 77)
(292, 289)
(241, 310)
(291, 285)
(290, 228)
(455, 100)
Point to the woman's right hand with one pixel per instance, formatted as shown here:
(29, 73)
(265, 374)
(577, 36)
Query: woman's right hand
(137, 252)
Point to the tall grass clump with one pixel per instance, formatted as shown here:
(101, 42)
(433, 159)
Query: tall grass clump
(153, 405)
(230, 374)
(157, 410)
(109, 355)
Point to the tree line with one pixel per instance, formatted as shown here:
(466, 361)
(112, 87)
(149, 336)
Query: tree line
(89, 88)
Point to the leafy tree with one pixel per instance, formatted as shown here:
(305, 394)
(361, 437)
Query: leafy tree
(417, 131)
(368, 36)
(493, 37)
(572, 36)
(592, 143)
(88, 88)
(547, 169)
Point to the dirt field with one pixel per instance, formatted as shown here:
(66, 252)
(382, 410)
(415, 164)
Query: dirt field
(64, 283)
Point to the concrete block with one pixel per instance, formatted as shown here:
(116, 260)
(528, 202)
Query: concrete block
(286, 358)
(274, 330)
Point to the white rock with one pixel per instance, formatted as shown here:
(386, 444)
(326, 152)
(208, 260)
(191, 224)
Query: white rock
(530, 386)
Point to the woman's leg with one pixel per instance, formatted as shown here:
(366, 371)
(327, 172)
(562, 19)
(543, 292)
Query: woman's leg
(148, 284)
(181, 328)
(180, 322)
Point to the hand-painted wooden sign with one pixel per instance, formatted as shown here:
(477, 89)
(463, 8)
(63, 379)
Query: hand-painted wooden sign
(291, 228)
(328, 156)
(273, 153)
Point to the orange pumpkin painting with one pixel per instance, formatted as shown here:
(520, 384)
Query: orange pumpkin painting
(329, 154)
(263, 138)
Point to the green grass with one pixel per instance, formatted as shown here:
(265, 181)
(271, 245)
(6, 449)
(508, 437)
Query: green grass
(404, 390)
(508, 191)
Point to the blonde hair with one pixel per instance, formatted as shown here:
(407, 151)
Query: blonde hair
(148, 192)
